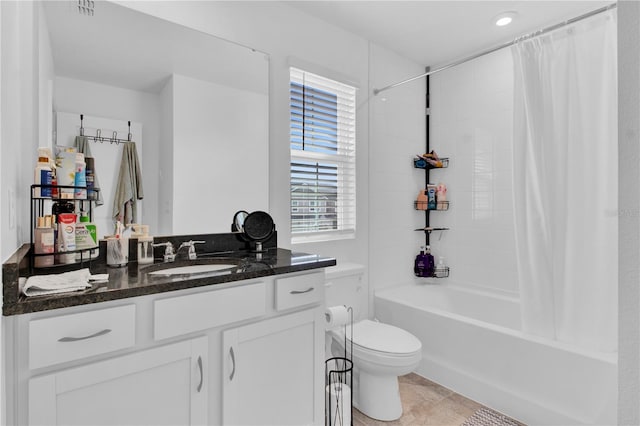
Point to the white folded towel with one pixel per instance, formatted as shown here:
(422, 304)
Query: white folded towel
(39, 285)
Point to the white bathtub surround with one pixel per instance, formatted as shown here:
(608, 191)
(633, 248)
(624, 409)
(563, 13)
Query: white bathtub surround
(472, 344)
(565, 182)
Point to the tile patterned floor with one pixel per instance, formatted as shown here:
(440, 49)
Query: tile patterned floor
(425, 403)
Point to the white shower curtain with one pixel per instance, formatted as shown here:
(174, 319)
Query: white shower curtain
(565, 182)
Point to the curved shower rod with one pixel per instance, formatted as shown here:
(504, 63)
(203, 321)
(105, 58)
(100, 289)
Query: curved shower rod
(429, 71)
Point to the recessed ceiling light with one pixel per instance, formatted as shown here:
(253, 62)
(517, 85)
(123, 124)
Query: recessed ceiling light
(504, 18)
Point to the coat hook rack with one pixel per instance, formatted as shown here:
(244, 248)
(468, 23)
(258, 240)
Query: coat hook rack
(99, 138)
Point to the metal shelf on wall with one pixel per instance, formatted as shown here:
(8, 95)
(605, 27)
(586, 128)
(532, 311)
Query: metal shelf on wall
(424, 205)
(420, 162)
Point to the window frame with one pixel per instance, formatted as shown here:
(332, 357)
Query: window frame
(343, 208)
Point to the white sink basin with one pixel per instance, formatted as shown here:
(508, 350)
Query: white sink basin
(219, 268)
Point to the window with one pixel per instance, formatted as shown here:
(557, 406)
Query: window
(323, 142)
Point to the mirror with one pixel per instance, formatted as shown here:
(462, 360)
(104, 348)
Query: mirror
(198, 107)
(238, 221)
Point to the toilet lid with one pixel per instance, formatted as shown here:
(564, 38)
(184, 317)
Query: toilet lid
(381, 337)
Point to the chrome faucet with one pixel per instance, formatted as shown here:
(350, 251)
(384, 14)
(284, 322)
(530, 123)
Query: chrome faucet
(192, 248)
(169, 253)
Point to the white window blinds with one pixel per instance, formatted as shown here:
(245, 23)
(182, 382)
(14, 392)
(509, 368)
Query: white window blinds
(322, 136)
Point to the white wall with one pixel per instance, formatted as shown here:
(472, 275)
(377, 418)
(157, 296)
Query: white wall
(629, 213)
(213, 123)
(20, 112)
(19, 133)
(165, 152)
(397, 134)
(115, 103)
(472, 123)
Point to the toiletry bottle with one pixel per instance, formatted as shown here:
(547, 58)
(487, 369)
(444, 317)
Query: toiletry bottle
(43, 242)
(421, 201)
(43, 177)
(429, 263)
(90, 178)
(80, 180)
(420, 263)
(86, 237)
(66, 237)
(145, 246)
(66, 171)
(441, 196)
(54, 182)
(441, 269)
(431, 197)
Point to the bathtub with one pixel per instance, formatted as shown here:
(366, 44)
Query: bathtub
(472, 344)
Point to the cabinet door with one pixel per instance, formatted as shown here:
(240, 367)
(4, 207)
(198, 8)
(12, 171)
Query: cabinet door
(273, 371)
(160, 386)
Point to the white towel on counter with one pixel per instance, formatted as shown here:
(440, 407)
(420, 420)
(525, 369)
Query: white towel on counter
(39, 285)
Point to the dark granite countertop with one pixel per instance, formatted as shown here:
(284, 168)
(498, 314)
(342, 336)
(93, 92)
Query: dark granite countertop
(134, 280)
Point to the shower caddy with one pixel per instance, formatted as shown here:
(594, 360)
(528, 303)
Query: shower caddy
(41, 206)
(440, 206)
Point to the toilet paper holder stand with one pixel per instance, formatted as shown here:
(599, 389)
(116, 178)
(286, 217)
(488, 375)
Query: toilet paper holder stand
(339, 381)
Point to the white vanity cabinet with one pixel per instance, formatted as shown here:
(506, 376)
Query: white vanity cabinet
(236, 353)
(270, 373)
(160, 386)
(273, 369)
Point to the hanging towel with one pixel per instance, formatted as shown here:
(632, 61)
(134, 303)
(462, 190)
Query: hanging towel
(82, 145)
(129, 187)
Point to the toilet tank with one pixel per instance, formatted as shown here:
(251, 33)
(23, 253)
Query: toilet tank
(345, 285)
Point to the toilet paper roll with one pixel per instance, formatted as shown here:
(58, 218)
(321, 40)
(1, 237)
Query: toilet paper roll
(336, 316)
(339, 399)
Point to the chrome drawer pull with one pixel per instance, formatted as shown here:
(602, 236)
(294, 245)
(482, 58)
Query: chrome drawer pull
(75, 339)
(201, 374)
(310, 289)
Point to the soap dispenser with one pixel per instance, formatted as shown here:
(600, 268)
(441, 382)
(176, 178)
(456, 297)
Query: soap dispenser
(145, 246)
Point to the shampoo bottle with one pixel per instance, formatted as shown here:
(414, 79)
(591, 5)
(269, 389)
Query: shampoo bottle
(418, 266)
(429, 264)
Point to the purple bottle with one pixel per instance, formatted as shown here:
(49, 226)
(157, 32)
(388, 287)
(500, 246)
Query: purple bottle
(424, 264)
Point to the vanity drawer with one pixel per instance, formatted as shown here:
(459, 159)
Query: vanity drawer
(180, 315)
(74, 336)
(299, 290)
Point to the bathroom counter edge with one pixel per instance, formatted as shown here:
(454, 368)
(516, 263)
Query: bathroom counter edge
(124, 282)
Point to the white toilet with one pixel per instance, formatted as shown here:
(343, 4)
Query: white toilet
(381, 352)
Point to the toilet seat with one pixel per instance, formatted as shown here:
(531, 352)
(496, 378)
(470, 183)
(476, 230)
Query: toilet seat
(384, 338)
(381, 341)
